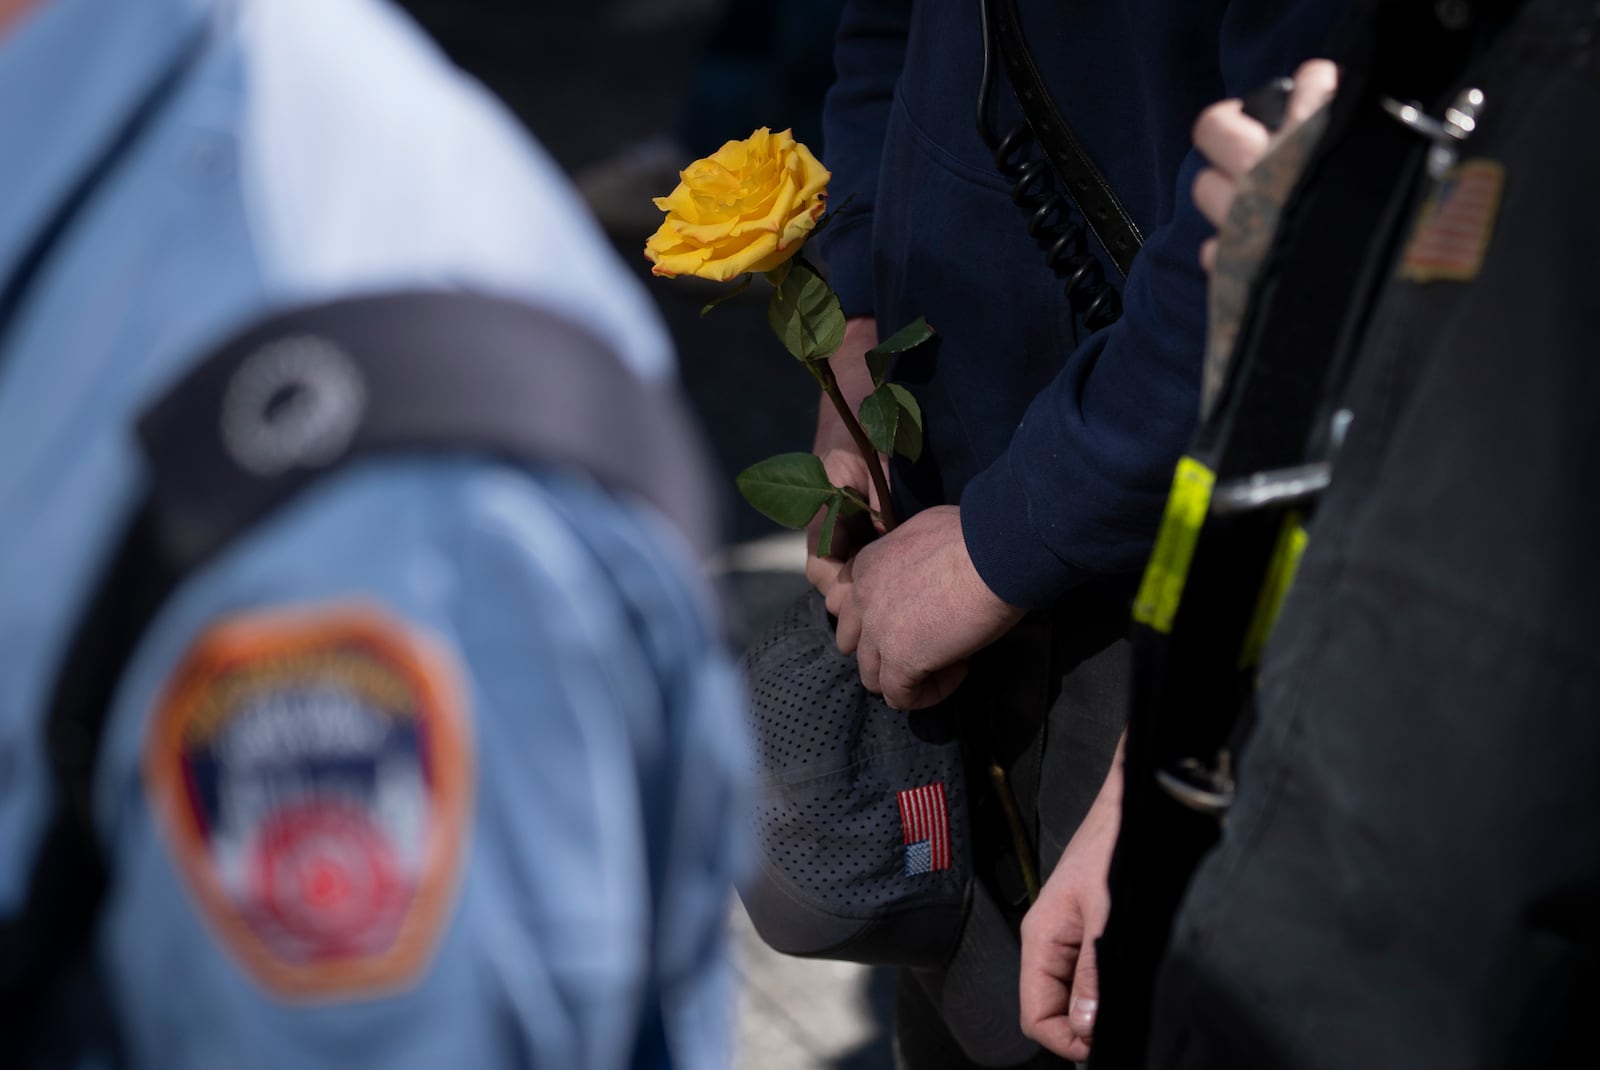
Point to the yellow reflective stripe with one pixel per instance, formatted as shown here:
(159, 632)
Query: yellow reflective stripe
(1164, 577)
(1274, 587)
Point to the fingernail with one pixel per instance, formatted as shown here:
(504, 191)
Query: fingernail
(1083, 1011)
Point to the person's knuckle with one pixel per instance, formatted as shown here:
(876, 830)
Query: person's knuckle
(899, 682)
(1312, 68)
(1211, 116)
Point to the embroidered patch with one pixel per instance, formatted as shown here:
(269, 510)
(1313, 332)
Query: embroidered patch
(312, 773)
(926, 825)
(1455, 224)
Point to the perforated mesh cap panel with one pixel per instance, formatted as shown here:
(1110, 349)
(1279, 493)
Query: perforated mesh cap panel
(831, 758)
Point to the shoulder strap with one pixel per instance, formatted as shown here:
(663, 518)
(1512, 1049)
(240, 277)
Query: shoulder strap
(316, 387)
(278, 407)
(1103, 211)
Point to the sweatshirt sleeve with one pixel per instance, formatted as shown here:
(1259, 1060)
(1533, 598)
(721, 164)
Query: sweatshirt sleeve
(1079, 491)
(868, 55)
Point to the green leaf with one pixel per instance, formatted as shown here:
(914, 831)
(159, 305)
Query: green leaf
(788, 488)
(878, 364)
(830, 520)
(846, 502)
(804, 313)
(853, 502)
(744, 284)
(911, 335)
(908, 429)
(880, 417)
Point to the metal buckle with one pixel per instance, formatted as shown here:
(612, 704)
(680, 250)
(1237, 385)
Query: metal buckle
(1460, 120)
(1203, 789)
(1283, 486)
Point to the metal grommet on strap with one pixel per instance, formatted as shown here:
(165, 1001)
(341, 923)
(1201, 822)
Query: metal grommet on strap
(1207, 790)
(296, 402)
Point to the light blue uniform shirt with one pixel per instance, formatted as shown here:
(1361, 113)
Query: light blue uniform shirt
(322, 148)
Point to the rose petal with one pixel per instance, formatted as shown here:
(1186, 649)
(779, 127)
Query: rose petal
(783, 206)
(732, 261)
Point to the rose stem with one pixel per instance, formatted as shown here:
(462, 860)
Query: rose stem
(1019, 838)
(869, 452)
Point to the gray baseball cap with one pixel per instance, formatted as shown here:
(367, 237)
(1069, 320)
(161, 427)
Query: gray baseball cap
(864, 836)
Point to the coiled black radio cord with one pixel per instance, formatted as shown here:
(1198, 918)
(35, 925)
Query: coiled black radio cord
(1051, 220)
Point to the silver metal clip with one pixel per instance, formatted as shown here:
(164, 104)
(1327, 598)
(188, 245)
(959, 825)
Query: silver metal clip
(1275, 487)
(1204, 790)
(1447, 134)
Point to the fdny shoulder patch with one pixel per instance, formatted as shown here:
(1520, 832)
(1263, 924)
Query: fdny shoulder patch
(312, 773)
(1454, 226)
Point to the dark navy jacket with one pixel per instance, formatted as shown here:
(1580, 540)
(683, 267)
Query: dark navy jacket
(1057, 444)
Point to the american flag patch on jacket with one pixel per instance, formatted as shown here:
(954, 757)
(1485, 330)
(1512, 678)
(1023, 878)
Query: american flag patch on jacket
(1454, 226)
(926, 824)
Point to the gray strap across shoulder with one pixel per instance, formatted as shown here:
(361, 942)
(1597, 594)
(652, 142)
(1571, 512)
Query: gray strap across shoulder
(314, 387)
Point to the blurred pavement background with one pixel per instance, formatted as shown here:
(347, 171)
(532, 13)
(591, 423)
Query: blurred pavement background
(623, 93)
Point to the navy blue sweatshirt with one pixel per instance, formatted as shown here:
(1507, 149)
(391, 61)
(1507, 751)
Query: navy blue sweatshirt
(1058, 444)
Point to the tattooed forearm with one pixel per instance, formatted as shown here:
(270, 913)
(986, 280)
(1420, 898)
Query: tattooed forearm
(1242, 244)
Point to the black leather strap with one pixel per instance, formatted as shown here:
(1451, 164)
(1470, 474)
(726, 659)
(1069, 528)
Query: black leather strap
(1103, 211)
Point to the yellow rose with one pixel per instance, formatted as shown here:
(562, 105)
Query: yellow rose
(746, 207)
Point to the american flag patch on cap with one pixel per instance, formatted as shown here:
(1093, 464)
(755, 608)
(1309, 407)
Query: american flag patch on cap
(926, 824)
(1453, 228)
